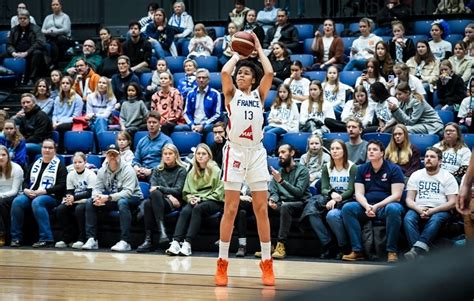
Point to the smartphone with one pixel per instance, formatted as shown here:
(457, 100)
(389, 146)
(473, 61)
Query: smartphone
(391, 77)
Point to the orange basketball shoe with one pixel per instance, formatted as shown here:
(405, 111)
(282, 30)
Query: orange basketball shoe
(268, 278)
(221, 273)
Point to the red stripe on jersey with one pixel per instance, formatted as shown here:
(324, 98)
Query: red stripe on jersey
(229, 126)
(226, 166)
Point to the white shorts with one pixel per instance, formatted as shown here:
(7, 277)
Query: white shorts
(240, 163)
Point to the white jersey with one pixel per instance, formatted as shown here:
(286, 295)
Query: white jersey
(245, 126)
(432, 191)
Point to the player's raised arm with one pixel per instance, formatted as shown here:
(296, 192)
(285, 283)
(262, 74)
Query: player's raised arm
(228, 87)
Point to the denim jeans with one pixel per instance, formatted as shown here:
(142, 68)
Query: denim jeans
(320, 229)
(100, 125)
(278, 131)
(40, 206)
(353, 214)
(159, 51)
(335, 222)
(413, 223)
(124, 206)
(355, 64)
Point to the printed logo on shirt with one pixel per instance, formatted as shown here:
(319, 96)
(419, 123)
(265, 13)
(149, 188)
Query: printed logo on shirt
(236, 164)
(367, 177)
(247, 134)
(384, 177)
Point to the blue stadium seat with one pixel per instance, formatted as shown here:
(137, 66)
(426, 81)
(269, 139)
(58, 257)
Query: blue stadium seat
(458, 26)
(273, 162)
(78, 141)
(423, 141)
(339, 28)
(270, 142)
(153, 62)
(215, 80)
(209, 138)
(454, 38)
(315, 75)
(208, 62)
(177, 77)
(299, 142)
(417, 38)
(349, 77)
(106, 138)
(175, 64)
(446, 116)
(331, 136)
(354, 27)
(269, 100)
(306, 59)
(305, 31)
(17, 65)
(382, 137)
(184, 141)
(184, 48)
(145, 188)
(307, 46)
(348, 43)
(422, 27)
(469, 140)
(386, 39)
(145, 79)
(220, 30)
(4, 36)
(138, 135)
(3, 48)
(218, 50)
(96, 160)
(56, 137)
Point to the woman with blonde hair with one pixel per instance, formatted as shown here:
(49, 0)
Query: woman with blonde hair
(204, 194)
(401, 152)
(284, 116)
(200, 44)
(166, 186)
(100, 105)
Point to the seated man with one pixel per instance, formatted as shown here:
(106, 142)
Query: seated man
(14, 20)
(431, 194)
(356, 146)
(289, 190)
(148, 150)
(45, 185)
(283, 32)
(28, 42)
(121, 80)
(138, 50)
(88, 52)
(268, 15)
(203, 106)
(117, 187)
(378, 190)
(220, 138)
(86, 79)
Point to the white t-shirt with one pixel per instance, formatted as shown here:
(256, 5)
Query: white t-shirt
(298, 87)
(432, 191)
(415, 85)
(382, 111)
(327, 112)
(440, 48)
(467, 104)
(288, 117)
(327, 44)
(453, 160)
(339, 179)
(81, 182)
(335, 98)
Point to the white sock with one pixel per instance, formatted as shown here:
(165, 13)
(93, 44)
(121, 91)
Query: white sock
(243, 241)
(266, 250)
(224, 249)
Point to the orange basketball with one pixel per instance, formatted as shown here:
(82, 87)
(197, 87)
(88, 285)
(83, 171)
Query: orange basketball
(242, 43)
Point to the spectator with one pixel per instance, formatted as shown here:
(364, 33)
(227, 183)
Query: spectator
(251, 25)
(103, 45)
(267, 17)
(182, 21)
(161, 36)
(148, 151)
(121, 80)
(393, 11)
(11, 179)
(237, 15)
(168, 102)
(400, 47)
(166, 187)
(203, 106)
(337, 188)
(385, 60)
(28, 42)
(363, 47)
(86, 79)
(57, 29)
(378, 189)
(467, 108)
(220, 138)
(43, 96)
(431, 195)
(124, 141)
(356, 146)
(109, 64)
(151, 8)
(450, 88)
(383, 112)
(284, 116)
(14, 143)
(414, 112)
(137, 49)
(315, 110)
(71, 213)
(100, 105)
(116, 188)
(133, 111)
(314, 158)
(55, 76)
(227, 50)
(204, 194)
(200, 44)
(462, 64)
(424, 66)
(289, 191)
(334, 91)
(299, 85)
(440, 48)
(288, 34)
(14, 20)
(401, 152)
(329, 48)
(154, 86)
(188, 82)
(88, 53)
(469, 36)
(281, 64)
(370, 75)
(402, 74)
(44, 187)
(34, 125)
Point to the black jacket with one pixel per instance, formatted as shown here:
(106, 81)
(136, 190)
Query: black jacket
(408, 51)
(289, 37)
(35, 126)
(453, 92)
(35, 38)
(399, 12)
(139, 52)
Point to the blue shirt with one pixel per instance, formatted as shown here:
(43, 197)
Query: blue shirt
(148, 151)
(378, 185)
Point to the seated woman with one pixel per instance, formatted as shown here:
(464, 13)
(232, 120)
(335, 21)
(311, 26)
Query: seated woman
(441, 49)
(160, 35)
(385, 60)
(42, 93)
(415, 112)
(315, 110)
(314, 158)
(328, 48)
(337, 187)
(102, 47)
(14, 142)
(204, 193)
(462, 64)
(424, 66)
(100, 105)
(450, 88)
(400, 47)
(71, 213)
(251, 25)
(281, 63)
(456, 154)
(401, 152)
(284, 116)
(109, 63)
(11, 178)
(467, 108)
(166, 186)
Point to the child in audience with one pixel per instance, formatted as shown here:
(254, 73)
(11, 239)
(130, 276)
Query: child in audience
(315, 110)
(124, 140)
(370, 75)
(227, 54)
(133, 111)
(299, 85)
(188, 82)
(284, 116)
(335, 92)
(14, 142)
(56, 76)
(441, 49)
(450, 88)
(200, 44)
(161, 66)
(314, 158)
(467, 108)
(384, 59)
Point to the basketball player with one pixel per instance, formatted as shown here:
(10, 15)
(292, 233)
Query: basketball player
(244, 157)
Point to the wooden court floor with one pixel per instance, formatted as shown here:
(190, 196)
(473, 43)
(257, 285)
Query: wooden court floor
(68, 275)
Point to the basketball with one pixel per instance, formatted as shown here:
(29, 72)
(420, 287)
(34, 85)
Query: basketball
(242, 43)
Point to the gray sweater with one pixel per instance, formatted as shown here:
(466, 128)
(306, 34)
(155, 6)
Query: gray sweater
(56, 25)
(121, 184)
(132, 113)
(418, 116)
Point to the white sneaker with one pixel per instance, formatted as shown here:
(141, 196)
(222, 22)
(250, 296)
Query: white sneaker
(121, 246)
(77, 245)
(173, 249)
(60, 245)
(185, 249)
(91, 244)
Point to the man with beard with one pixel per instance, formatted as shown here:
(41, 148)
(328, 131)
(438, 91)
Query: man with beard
(356, 147)
(378, 189)
(289, 190)
(431, 194)
(220, 139)
(86, 79)
(88, 53)
(138, 49)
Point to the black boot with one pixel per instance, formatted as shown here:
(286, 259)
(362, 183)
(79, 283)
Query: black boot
(147, 245)
(163, 237)
(329, 251)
